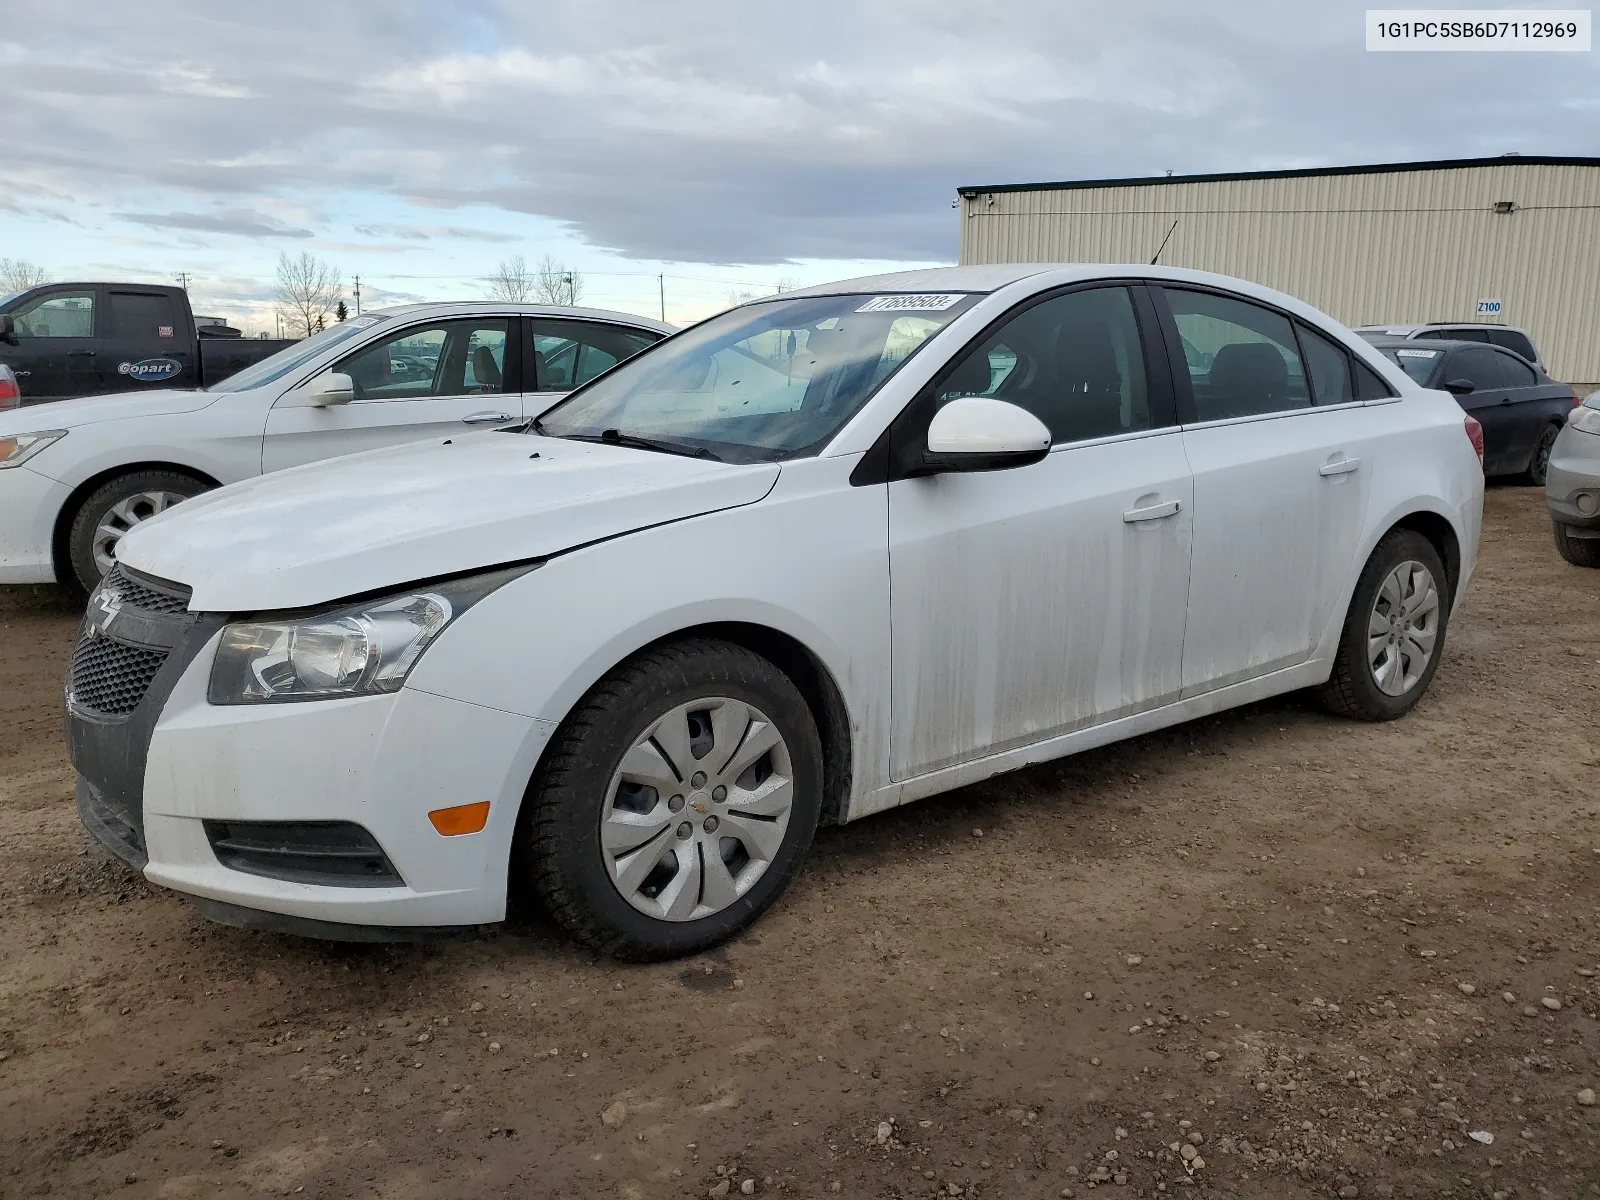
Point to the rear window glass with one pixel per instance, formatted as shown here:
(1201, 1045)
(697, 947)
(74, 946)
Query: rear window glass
(1418, 364)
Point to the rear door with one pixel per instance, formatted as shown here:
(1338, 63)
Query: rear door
(148, 341)
(1282, 453)
(1490, 402)
(428, 380)
(56, 353)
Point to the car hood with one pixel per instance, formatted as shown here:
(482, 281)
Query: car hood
(383, 519)
(69, 414)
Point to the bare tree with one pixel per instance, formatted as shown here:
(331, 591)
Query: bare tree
(308, 288)
(18, 275)
(512, 280)
(787, 283)
(556, 283)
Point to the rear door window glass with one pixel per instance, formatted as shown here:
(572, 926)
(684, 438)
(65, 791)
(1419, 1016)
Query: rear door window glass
(568, 354)
(145, 316)
(1242, 358)
(1517, 372)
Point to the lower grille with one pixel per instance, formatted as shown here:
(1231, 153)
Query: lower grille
(331, 853)
(112, 678)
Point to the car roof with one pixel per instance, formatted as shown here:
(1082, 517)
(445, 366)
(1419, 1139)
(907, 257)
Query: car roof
(511, 308)
(1403, 328)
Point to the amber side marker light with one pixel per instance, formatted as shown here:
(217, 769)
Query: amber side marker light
(463, 818)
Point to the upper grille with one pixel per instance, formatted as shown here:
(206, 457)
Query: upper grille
(173, 598)
(112, 678)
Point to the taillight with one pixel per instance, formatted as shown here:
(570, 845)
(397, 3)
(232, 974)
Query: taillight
(10, 393)
(1475, 436)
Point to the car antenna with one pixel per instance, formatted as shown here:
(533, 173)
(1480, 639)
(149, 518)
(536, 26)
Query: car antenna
(1163, 245)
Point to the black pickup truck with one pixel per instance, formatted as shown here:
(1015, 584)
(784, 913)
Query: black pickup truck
(81, 339)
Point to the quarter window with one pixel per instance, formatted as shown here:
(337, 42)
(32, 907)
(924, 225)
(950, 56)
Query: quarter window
(1242, 358)
(1329, 367)
(61, 315)
(450, 358)
(1075, 361)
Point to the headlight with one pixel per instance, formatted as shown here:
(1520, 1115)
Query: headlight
(1584, 418)
(365, 649)
(18, 448)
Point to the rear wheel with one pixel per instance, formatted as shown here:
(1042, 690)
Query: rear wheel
(1579, 551)
(1393, 634)
(676, 802)
(116, 507)
(1539, 464)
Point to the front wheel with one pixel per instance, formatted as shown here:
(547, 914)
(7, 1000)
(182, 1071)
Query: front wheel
(676, 802)
(116, 507)
(1539, 464)
(1393, 633)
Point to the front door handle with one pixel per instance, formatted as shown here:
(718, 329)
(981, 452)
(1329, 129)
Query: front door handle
(80, 353)
(1343, 467)
(1151, 512)
(487, 418)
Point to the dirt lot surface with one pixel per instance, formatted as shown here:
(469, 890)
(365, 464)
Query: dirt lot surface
(1272, 954)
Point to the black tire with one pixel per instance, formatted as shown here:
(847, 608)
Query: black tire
(82, 535)
(558, 838)
(1539, 464)
(1579, 551)
(1352, 691)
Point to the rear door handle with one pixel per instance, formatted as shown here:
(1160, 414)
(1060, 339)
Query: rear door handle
(80, 353)
(1343, 467)
(1151, 512)
(487, 418)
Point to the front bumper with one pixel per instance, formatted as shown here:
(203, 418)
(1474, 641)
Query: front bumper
(1572, 482)
(29, 506)
(380, 762)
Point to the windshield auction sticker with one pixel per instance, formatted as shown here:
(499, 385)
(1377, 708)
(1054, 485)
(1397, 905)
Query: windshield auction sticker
(1477, 29)
(913, 303)
(1416, 353)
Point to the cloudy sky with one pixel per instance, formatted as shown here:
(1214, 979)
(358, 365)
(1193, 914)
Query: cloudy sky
(728, 144)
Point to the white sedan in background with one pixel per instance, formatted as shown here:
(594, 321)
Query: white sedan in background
(815, 557)
(75, 475)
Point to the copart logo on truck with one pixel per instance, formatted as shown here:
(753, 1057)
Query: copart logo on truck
(151, 370)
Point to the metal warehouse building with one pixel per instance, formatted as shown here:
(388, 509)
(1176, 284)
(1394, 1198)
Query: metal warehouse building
(1423, 241)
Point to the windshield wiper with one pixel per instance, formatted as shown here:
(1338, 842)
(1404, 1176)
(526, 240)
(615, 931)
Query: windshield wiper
(615, 437)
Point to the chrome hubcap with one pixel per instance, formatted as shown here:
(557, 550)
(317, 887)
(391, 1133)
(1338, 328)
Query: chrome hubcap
(698, 809)
(123, 516)
(1403, 628)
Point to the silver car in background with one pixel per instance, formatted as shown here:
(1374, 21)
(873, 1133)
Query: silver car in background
(1572, 485)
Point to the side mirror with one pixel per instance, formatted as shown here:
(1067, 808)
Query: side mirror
(333, 387)
(8, 329)
(976, 433)
(1459, 387)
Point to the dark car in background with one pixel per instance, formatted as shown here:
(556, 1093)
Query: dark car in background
(1507, 337)
(85, 339)
(1521, 409)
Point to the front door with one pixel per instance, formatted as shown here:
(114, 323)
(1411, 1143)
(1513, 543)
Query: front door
(56, 353)
(429, 380)
(1032, 602)
(1282, 455)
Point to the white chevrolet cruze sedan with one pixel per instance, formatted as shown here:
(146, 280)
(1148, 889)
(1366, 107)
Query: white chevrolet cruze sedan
(815, 557)
(76, 475)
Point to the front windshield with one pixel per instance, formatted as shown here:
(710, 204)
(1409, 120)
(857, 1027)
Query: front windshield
(280, 364)
(762, 382)
(1418, 364)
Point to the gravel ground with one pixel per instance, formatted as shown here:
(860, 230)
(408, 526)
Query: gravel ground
(1271, 954)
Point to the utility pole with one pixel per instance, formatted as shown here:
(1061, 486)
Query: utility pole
(182, 278)
(661, 282)
(358, 295)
